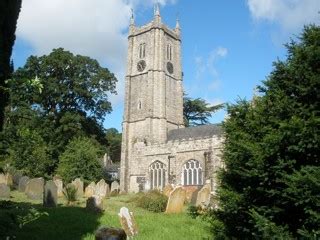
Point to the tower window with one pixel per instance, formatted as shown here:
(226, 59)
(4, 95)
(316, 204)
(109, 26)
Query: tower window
(142, 50)
(169, 52)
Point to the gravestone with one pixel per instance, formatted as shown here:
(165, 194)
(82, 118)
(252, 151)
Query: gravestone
(95, 204)
(109, 233)
(128, 222)
(79, 186)
(50, 198)
(90, 190)
(167, 190)
(23, 183)
(115, 186)
(190, 192)
(34, 188)
(194, 196)
(59, 184)
(203, 197)
(9, 179)
(16, 178)
(102, 188)
(176, 200)
(4, 191)
(2, 178)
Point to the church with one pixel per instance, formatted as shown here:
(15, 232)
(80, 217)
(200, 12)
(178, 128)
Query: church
(157, 149)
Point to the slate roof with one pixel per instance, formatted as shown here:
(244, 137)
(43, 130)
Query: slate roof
(203, 131)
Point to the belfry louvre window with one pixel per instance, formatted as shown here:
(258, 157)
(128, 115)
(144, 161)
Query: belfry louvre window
(169, 52)
(142, 50)
(157, 175)
(192, 173)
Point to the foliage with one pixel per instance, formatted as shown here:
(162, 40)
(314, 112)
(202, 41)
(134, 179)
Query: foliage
(153, 201)
(30, 153)
(198, 111)
(114, 139)
(80, 160)
(270, 185)
(9, 13)
(70, 194)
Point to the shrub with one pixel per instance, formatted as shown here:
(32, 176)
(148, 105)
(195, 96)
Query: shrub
(80, 160)
(70, 193)
(153, 201)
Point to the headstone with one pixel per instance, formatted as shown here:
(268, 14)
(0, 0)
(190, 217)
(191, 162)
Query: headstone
(109, 233)
(9, 179)
(190, 190)
(2, 178)
(90, 190)
(79, 186)
(102, 188)
(95, 204)
(59, 185)
(203, 197)
(176, 200)
(167, 190)
(128, 222)
(115, 186)
(16, 178)
(34, 188)
(23, 183)
(4, 191)
(194, 196)
(50, 198)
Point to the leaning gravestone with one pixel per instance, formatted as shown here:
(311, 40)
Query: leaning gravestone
(16, 178)
(105, 233)
(128, 222)
(203, 197)
(79, 186)
(102, 188)
(2, 178)
(90, 190)
(95, 204)
(167, 190)
(34, 188)
(59, 184)
(23, 183)
(4, 191)
(176, 200)
(115, 186)
(50, 198)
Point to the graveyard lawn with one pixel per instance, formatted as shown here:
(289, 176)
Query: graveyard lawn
(75, 222)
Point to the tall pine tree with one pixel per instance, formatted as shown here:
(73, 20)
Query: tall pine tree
(270, 187)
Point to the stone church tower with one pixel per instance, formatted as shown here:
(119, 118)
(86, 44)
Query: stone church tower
(153, 99)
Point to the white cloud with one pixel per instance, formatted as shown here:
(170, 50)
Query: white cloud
(95, 28)
(290, 14)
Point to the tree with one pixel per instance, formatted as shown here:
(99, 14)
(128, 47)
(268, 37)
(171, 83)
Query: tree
(197, 111)
(114, 139)
(270, 185)
(9, 13)
(80, 160)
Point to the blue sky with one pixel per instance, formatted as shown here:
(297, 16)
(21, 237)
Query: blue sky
(228, 46)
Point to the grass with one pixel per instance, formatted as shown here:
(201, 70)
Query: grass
(75, 222)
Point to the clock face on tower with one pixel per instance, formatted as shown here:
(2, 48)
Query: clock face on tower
(141, 65)
(170, 67)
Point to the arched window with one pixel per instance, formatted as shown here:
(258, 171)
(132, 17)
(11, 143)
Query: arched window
(192, 173)
(142, 50)
(169, 52)
(157, 175)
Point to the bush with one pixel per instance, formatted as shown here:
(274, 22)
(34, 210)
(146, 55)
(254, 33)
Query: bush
(80, 160)
(70, 193)
(153, 201)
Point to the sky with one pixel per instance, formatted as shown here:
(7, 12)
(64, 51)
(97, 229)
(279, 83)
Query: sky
(228, 46)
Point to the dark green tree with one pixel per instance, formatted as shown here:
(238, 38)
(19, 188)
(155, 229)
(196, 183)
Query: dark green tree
(270, 185)
(197, 111)
(81, 159)
(9, 13)
(114, 139)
